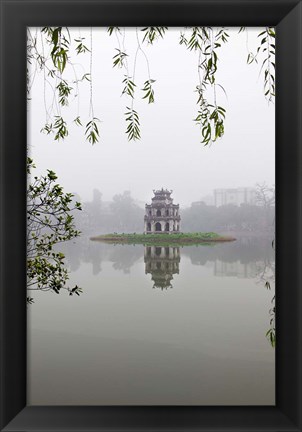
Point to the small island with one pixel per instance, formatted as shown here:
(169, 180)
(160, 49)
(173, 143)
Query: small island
(162, 226)
(163, 238)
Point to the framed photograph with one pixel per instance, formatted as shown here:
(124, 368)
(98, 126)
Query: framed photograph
(139, 222)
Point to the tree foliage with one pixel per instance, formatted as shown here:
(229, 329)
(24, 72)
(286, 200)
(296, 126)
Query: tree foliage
(265, 195)
(49, 223)
(271, 333)
(203, 42)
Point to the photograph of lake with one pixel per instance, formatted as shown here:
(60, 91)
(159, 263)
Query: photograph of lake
(151, 216)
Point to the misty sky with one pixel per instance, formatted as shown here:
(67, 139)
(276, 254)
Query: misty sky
(169, 154)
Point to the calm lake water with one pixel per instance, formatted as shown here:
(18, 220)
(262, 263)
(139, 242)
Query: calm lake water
(156, 326)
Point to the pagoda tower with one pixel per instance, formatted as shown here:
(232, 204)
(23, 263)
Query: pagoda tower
(162, 216)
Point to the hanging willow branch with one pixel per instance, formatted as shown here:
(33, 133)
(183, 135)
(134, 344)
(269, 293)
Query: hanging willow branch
(92, 131)
(120, 60)
(266, 52)
(205, 42)
(210, 116)
(133, 129)
(153, 33)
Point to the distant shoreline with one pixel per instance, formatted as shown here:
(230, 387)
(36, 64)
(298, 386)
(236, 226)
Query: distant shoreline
(164, 238)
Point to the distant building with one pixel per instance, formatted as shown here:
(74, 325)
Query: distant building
(208, 200)
(162, 215)
(234, 196)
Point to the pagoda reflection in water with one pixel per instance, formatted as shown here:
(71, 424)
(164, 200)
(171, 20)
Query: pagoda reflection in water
(162, 263)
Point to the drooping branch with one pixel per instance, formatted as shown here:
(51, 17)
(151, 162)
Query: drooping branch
(53, 56)
(210, 116)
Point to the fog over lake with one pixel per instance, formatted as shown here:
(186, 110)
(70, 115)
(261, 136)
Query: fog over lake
(133, 338)
(161, 324)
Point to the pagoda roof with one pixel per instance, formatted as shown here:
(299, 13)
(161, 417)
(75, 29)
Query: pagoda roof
(162, 191)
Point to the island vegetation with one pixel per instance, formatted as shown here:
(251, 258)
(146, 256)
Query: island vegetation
(164, 238)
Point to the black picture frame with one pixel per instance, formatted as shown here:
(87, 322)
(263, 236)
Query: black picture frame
(16, 15)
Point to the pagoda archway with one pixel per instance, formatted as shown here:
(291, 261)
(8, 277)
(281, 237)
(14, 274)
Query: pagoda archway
(158, 226)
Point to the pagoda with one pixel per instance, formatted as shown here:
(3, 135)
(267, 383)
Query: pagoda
(162, 216)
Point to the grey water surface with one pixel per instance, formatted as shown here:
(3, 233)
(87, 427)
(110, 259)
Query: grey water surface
(156, 326)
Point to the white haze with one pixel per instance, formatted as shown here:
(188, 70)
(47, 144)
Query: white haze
(169, 153)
